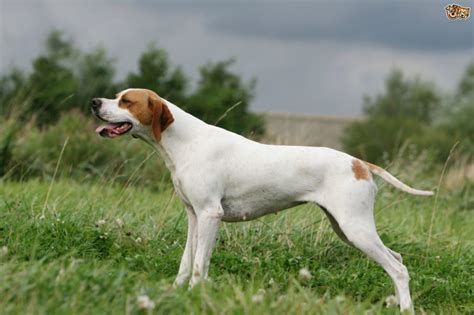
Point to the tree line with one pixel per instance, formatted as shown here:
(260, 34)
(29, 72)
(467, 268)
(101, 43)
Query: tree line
(410, 112)
(413, 113)
(63, 78)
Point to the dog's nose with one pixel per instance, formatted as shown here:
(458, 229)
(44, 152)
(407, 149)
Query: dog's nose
(96, 102)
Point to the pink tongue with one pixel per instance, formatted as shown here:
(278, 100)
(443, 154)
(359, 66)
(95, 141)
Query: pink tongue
(108, 128)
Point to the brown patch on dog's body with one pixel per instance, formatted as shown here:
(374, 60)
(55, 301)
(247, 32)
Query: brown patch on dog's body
(361, 171)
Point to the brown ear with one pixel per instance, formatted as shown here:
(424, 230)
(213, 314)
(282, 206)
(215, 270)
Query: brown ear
(161, 117)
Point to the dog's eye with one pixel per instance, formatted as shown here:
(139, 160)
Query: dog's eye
(124, 100)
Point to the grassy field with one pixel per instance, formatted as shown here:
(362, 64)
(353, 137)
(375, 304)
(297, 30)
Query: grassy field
(93, 248)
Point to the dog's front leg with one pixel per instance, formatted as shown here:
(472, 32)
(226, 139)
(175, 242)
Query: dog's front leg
(186, 265)
(207, 226)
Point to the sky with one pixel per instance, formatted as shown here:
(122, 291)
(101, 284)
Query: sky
(309, 57)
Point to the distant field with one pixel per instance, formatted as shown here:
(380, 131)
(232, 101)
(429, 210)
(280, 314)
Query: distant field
(58, 257)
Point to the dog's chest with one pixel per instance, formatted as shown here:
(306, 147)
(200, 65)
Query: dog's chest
(178, 187)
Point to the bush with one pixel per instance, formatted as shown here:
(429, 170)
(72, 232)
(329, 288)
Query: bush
(379, 138)
(410, 113)
(8, 132)
(35, 152)
(222, 93)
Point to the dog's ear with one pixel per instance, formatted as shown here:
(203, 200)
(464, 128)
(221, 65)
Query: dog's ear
(161, 117)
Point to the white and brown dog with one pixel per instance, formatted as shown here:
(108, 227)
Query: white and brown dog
(222, 176)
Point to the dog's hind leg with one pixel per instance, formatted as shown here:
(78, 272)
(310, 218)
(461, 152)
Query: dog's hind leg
(342, 236)
(368, 241)
(335, 225)
(351, 214)
(360, 231)
(396, 255)
(337, 229)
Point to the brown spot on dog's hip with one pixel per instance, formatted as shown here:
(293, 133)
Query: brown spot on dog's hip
(360, 170)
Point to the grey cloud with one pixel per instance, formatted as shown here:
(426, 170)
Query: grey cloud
(400, 26)
(420, 25)
(295, 73)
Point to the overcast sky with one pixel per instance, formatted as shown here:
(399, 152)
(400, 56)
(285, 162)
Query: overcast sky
(317, 57)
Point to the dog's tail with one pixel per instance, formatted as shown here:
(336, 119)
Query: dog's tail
(395, 182)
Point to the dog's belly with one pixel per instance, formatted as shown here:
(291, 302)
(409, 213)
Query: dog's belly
(238, 210)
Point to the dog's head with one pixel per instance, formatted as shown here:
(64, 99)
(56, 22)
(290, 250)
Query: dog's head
(139, 112)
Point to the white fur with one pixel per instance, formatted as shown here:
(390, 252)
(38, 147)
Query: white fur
(221, 176)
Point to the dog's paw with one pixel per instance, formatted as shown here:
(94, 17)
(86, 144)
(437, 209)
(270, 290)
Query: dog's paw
(180, 281)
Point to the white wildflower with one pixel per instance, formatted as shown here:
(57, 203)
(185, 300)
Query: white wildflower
(3, 251)
(138, 240)
(391, 301)
(119, 222)
(304, 275)
(259, 296)
(145, 303)
(100, 222)
(339, 299)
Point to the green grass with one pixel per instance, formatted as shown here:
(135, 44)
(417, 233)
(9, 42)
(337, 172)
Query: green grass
(60, 261)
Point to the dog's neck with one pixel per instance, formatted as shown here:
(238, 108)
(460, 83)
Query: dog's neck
(174, 146)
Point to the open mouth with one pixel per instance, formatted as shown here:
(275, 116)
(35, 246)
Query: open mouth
(113, 130)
